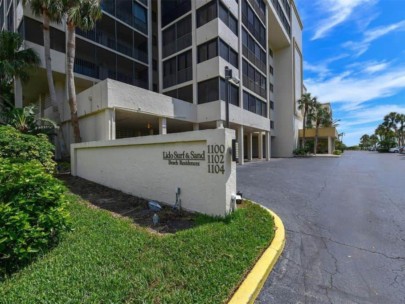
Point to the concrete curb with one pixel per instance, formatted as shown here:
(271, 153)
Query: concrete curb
(254, 281)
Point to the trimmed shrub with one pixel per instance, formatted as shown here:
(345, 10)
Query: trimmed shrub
(337, 152)
(300, 152)
(21, 147)
(32, 212)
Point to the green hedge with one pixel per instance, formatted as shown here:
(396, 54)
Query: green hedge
(23, 147)
(32, 212)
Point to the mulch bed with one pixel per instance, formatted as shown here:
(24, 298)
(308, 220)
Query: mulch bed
(135, 208)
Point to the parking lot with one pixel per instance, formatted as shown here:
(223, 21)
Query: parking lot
(345, 224)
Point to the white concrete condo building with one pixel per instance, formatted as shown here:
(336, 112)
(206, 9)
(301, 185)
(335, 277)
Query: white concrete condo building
(158, 66)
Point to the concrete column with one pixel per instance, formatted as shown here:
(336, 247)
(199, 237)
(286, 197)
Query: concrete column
(196, 126)
(162, 125)
(330, 145)
(110, 124)
(260, 144)
(241, 150)
(250, 146)
(267, 142)
(18, 93)
(220, 124)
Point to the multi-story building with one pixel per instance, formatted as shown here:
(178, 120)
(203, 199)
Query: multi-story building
(179, 49)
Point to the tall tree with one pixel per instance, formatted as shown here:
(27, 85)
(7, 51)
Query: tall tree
(49, 11)
(373, 140)
(321, 117)
(82, 14)
(400, 119)
(390, 121)
(14, 62)
(365, 141)
(306, 103)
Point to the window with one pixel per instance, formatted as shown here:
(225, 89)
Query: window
(183, 93)
(253, 79)
(271, 87)
(140, 17)
(226, 52)
(271, 124)
(174, 9)
(208, 50)
(253, 51)
(208, 90)
(177, 70)
(254, 105)
(234, 92)
(271, 104)
(253, 23)
(271, 70)
(177, 37)
(228, 19)
(206, 13)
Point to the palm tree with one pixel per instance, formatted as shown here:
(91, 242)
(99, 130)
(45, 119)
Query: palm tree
(400, 119)
(373, 140)
(14, 62)
(365, 141)
(390, 122)
(321, 117)
(82, 14)
(25, 120)
(306, 103)
(50, 11)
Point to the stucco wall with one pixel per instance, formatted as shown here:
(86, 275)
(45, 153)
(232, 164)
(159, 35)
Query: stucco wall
(137, 166)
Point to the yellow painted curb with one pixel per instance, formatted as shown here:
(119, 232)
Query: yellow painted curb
(254, 281)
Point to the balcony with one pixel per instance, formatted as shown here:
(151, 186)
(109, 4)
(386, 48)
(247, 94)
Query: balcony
(254, 87)
(180, 77)
(177, 45)
(253, 59)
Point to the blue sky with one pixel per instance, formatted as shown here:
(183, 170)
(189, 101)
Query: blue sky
(354, 57)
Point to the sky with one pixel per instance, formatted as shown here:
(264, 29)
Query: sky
(354, 57)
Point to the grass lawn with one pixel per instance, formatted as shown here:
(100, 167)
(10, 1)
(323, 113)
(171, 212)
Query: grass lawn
(110, 260)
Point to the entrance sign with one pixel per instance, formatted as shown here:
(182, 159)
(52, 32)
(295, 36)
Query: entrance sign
(154, 167)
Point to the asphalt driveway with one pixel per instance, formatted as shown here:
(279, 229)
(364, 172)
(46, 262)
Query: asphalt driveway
(345, 224)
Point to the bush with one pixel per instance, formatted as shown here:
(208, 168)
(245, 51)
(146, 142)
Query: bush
(300, 151)
(22, 147)
(32, 212)
(337, 152)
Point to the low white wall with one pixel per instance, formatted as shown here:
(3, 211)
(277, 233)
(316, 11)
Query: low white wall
(152, 167)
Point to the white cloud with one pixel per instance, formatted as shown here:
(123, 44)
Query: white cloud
(369, 67)
(374, 68)
(365, 121)
(322, 68)
(336, 12)
(369, 36)
(353, 89)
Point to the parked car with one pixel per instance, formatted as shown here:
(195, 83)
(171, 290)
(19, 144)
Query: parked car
(394, 150)
(402, 150)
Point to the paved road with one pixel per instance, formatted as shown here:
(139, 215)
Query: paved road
(345, 224)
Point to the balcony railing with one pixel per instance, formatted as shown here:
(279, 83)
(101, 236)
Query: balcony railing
(258, 11)
(180, 77)
(250, 26)
(253, 59)
(253, 86)
(282, 16)
(85, 67)
(177, 45)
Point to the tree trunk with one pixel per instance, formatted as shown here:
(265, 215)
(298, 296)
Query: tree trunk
(71, 49)
(316, 139)
(48, 64)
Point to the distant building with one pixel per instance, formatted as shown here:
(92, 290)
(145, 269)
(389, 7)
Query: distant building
(178, 49)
